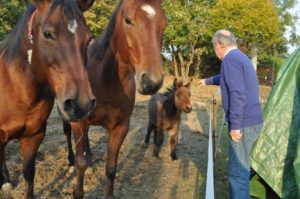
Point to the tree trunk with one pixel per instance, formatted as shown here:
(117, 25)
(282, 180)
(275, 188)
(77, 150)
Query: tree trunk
(182, 69)
(189, 63)
(254, 57)
(175, 65)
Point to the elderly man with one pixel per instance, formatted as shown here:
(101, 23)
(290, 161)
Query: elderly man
(240, 98)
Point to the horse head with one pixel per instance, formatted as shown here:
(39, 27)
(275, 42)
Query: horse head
(139, 27)
(182, 95)
(60, 38)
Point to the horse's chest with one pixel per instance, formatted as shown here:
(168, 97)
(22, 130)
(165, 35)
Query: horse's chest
(170, 124)
(37, 117)
(25, 122)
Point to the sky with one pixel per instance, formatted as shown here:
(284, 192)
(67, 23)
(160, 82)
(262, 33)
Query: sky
(294, 10)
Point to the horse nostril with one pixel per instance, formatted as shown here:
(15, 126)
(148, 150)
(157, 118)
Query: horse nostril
(93, 104)
(69, 106)
(144, 78)
(189, 108)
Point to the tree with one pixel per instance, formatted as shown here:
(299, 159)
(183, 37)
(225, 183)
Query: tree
(287, 20)
(255, 23)
(10, 11)
(187, 27)
(99, 15)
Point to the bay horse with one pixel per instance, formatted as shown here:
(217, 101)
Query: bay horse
(42, 59)
(164, 111)
(125, 58)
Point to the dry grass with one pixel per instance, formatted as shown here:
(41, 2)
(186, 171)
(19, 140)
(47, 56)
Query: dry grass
(139, 175)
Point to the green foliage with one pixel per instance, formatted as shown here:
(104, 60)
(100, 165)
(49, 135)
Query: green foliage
(10, 11)
(186, 31)
(288, 21)
(254, 22)
(98, 16)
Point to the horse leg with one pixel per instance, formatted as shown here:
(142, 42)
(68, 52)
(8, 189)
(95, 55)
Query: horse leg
(2, 161)
(159, 138)
(116, 138)
(68, 131)
(149, 130)
(173, 143)
(6, 184)
(29, 148)
(83, 159)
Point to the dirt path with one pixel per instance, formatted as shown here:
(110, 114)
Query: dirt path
(139, 175)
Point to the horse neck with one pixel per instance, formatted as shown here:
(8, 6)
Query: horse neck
(110, 64)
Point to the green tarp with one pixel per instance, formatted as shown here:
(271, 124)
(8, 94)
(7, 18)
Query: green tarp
(276, 154)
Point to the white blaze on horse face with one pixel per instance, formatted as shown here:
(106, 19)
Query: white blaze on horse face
(149, 10)
(72, 26)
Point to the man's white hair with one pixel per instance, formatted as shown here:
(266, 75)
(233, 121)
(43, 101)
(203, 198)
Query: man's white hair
(224, 38)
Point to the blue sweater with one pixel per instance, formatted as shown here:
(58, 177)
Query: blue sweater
(240, 92)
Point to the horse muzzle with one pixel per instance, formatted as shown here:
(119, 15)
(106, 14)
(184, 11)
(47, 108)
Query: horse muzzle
(148, 85)
(71, 110)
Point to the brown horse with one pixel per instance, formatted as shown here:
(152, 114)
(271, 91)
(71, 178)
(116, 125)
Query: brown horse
(165, 115)
(43, 58)
(125, 57)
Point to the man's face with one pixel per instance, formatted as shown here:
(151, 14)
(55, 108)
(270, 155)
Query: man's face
(219, 51)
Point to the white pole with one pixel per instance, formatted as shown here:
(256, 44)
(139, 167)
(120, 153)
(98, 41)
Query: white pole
(210, 192)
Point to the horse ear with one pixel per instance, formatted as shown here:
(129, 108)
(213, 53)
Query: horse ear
(175, 82)
(84, 5)
(189, 83)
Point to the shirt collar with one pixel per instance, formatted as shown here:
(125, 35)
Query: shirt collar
(230, 49)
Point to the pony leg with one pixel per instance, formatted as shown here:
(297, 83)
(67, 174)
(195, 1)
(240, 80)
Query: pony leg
(2, 161)
(83, 159)
(67, 131)
(159, 138)
(6, 183)
(173, 143)
(116, 138)
(29, 148)
(149, 130)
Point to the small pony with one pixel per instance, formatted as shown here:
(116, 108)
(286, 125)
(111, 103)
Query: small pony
(165, 115)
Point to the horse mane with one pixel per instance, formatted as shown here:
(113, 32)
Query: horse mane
(169, 103)
(99, 47)
(13, 45)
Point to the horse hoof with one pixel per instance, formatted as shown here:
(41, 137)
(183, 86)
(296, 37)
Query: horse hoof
(174, 157)
(77, 195)
(71, 169)
(6, 187)
(109, 197)
(144, 145)
(155, 152)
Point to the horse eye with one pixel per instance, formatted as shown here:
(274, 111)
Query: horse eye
(128, 21)
(48, 35)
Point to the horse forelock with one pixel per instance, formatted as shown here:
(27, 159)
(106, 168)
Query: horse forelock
(70, 9)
